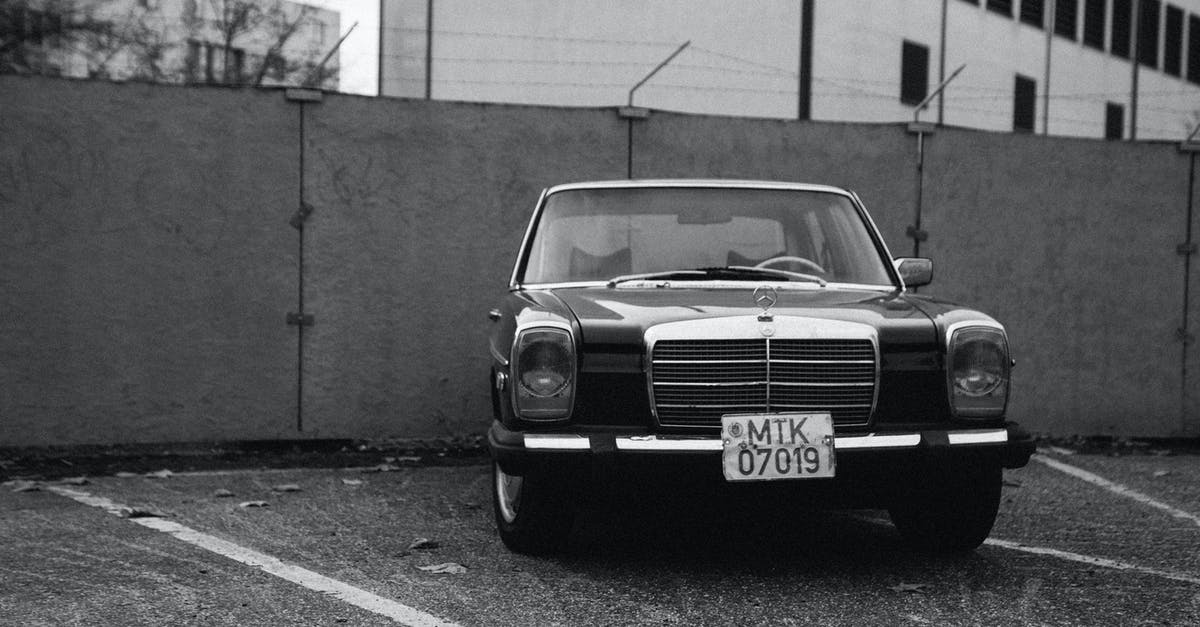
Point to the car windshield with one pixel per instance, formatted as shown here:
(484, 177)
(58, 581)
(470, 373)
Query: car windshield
(601, 234)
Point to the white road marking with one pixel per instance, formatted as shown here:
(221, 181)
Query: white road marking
(1094, 561)
(398, 612)
(1116, 488)
(1067, 555)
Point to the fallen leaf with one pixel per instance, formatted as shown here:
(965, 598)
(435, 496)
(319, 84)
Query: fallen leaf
(352, 481)
(24, 486)
(919, 588)
(449, 568)
(222, 493)
(74, 481)
(1012, 483)
(286, 487)
(143, 511)
(381, 468)
(160, 474)
(253, 504)
(1161, 473)
(423, 543)
(125, 475)
(408, 460)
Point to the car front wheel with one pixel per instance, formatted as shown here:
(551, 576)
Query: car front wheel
(949, 510)
(534, 511)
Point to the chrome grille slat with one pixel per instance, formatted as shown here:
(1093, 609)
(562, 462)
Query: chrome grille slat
(694, 382)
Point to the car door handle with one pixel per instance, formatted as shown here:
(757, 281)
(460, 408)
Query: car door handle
(494, 315)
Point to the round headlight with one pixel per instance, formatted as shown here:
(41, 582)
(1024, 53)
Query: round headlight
(979, 367)
(546, 365)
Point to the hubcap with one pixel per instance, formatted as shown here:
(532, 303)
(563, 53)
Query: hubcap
(508, 494)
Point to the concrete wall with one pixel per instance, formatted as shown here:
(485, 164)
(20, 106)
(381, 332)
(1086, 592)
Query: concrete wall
(145, 263)
(148, 264)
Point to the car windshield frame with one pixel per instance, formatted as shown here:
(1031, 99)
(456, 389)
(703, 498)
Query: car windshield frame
(520, 269)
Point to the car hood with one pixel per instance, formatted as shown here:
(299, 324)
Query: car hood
(621, 316)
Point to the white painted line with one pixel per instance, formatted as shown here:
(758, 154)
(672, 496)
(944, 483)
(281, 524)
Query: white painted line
(1116, 488)
(398, 612)
(1093, 561)
(1069, 556)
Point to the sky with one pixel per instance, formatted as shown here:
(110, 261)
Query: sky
(359, 54)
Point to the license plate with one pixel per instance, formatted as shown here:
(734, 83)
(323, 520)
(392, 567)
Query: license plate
(760, 447)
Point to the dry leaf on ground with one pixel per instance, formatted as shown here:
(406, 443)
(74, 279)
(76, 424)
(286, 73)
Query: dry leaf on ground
(245, 504)
(919, 588)
(424, 544)
(448, 568)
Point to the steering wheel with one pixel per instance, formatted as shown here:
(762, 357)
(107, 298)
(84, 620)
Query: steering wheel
(791, 259)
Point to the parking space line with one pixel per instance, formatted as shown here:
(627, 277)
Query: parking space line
(358, 597)
(1115, 488)
(1065, 555)
(1093, 561)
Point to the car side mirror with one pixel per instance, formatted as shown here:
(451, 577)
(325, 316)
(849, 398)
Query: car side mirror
(915, 271)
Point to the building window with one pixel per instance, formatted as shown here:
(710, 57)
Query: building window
(1003, 7)
(210, 63)
(1173, 42)
(235, 66)
(1093, 23)
(1065, 14)
(1121, 27)
(1147, 43)
(1193, 59)
(1114, 121)
(1033, 12)
(1024, 104)
(914, 73)
(191, 62)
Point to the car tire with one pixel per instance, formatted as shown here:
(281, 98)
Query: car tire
(534, 512)
(949, 509)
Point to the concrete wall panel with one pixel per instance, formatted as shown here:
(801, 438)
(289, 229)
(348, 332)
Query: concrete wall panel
(146, 263)
(1071, 244)
(420, 209)
(147, 266)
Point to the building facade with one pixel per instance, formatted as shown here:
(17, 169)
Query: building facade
(1059, 67)
(255, 42)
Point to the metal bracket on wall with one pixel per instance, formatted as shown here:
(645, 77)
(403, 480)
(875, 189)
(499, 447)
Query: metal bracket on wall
(297, 94)
(300, 319)
(301, 216)
(925, 128)
(916, 234)
(633, 113)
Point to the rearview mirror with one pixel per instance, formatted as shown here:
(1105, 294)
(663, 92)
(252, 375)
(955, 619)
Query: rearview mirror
(915, 271)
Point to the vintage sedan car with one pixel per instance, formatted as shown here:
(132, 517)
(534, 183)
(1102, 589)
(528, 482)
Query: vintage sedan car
(755, 331)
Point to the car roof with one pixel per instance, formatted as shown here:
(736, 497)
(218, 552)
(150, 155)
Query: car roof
(709, 183)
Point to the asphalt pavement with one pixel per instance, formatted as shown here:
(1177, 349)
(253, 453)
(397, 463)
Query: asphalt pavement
(1082, 539)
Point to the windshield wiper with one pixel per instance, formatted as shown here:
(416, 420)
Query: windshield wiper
(735, 272)
(669, 274)
(794, 276)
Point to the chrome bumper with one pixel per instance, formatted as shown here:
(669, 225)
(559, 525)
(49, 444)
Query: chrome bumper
(667, 444)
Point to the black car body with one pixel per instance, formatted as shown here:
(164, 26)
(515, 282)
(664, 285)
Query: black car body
(653, 322)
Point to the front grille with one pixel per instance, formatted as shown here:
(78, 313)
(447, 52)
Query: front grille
(696, 381)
